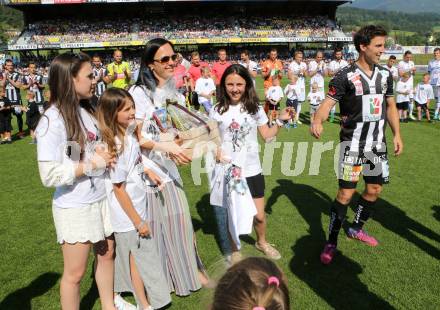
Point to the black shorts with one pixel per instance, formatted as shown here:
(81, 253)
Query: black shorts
(292, 103)
(403, 105)
(13, 109)
(373, 165)
(195, 100)
(256, 185)
(5, 122)
(423, 106)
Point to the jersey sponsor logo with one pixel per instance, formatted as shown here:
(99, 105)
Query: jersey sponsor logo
(372, 108)
(355, 78)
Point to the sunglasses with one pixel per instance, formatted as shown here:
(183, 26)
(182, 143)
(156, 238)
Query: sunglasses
(166, 59)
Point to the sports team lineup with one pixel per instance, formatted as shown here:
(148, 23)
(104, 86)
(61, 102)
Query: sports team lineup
(213, 163)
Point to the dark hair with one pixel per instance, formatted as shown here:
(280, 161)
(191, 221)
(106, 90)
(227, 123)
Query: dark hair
(437, 49)
(146, 77)
(273, 50)
(392, 57)
(407, 53)
(9, 60)
(246, 285)
(246, 52)
(110, 103)
(337, 50)
(249, 98)
(63, 95)
(96, 55)
(31, 63)
(366, 34)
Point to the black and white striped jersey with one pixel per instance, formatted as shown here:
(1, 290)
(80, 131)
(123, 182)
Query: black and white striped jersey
(12, 92)
(362, 103)
(35, 83)
(99, 74)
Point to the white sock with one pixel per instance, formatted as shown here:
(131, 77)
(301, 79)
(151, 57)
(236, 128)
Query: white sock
(298, 109)
(411, 108)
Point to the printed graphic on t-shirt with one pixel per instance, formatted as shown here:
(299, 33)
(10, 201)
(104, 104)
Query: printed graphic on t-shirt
(238, 133)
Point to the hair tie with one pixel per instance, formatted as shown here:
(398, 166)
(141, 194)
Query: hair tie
(273, 280)
(258, 308)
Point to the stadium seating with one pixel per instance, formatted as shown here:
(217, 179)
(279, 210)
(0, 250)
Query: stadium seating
(62, 31)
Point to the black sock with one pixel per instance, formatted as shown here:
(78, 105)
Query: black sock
(337, 216)
(364, 210)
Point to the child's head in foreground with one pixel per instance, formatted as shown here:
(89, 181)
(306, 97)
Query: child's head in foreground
(254, 283)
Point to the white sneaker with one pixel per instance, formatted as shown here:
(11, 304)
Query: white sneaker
(148, 308)
(121, 304)
(298, 122)
(412, 117)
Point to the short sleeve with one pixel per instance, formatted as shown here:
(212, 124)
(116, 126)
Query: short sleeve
(197, 88)
(119, 173)
(390, 85)
(313, 66)
(127, 66)
(261, 117)
(109, 69)
(431, 93)
(337, 87)
(142, 102)
(51, 142)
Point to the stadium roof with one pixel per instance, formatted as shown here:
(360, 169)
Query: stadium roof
(45, 2)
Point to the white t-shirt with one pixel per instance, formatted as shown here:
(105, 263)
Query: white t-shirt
(394, 72)
(403, 87)
(292, 91)
(315, 98)
(129, 170)
(52, 146)
(275, 93)
(296, 68)
(423, 93)
(318, 78)
(335, 65)
(407, 67)
(434, 71)
(204, 86)
(239, 134)
(251, 66)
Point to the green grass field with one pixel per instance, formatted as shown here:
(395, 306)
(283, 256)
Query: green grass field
(403, 272)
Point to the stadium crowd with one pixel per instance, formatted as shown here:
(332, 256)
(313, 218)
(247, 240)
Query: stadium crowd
(183, 27)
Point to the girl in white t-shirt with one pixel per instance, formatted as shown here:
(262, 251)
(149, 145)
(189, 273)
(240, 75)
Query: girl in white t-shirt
(138, 266)
(240, 120)
(274, 95)
(71, 159)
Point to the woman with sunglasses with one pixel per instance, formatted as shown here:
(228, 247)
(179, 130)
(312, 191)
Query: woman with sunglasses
(168, 210)
(71, 159)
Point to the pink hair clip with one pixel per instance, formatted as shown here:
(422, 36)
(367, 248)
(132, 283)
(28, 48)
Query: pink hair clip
(258, 308)
(273, 280)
